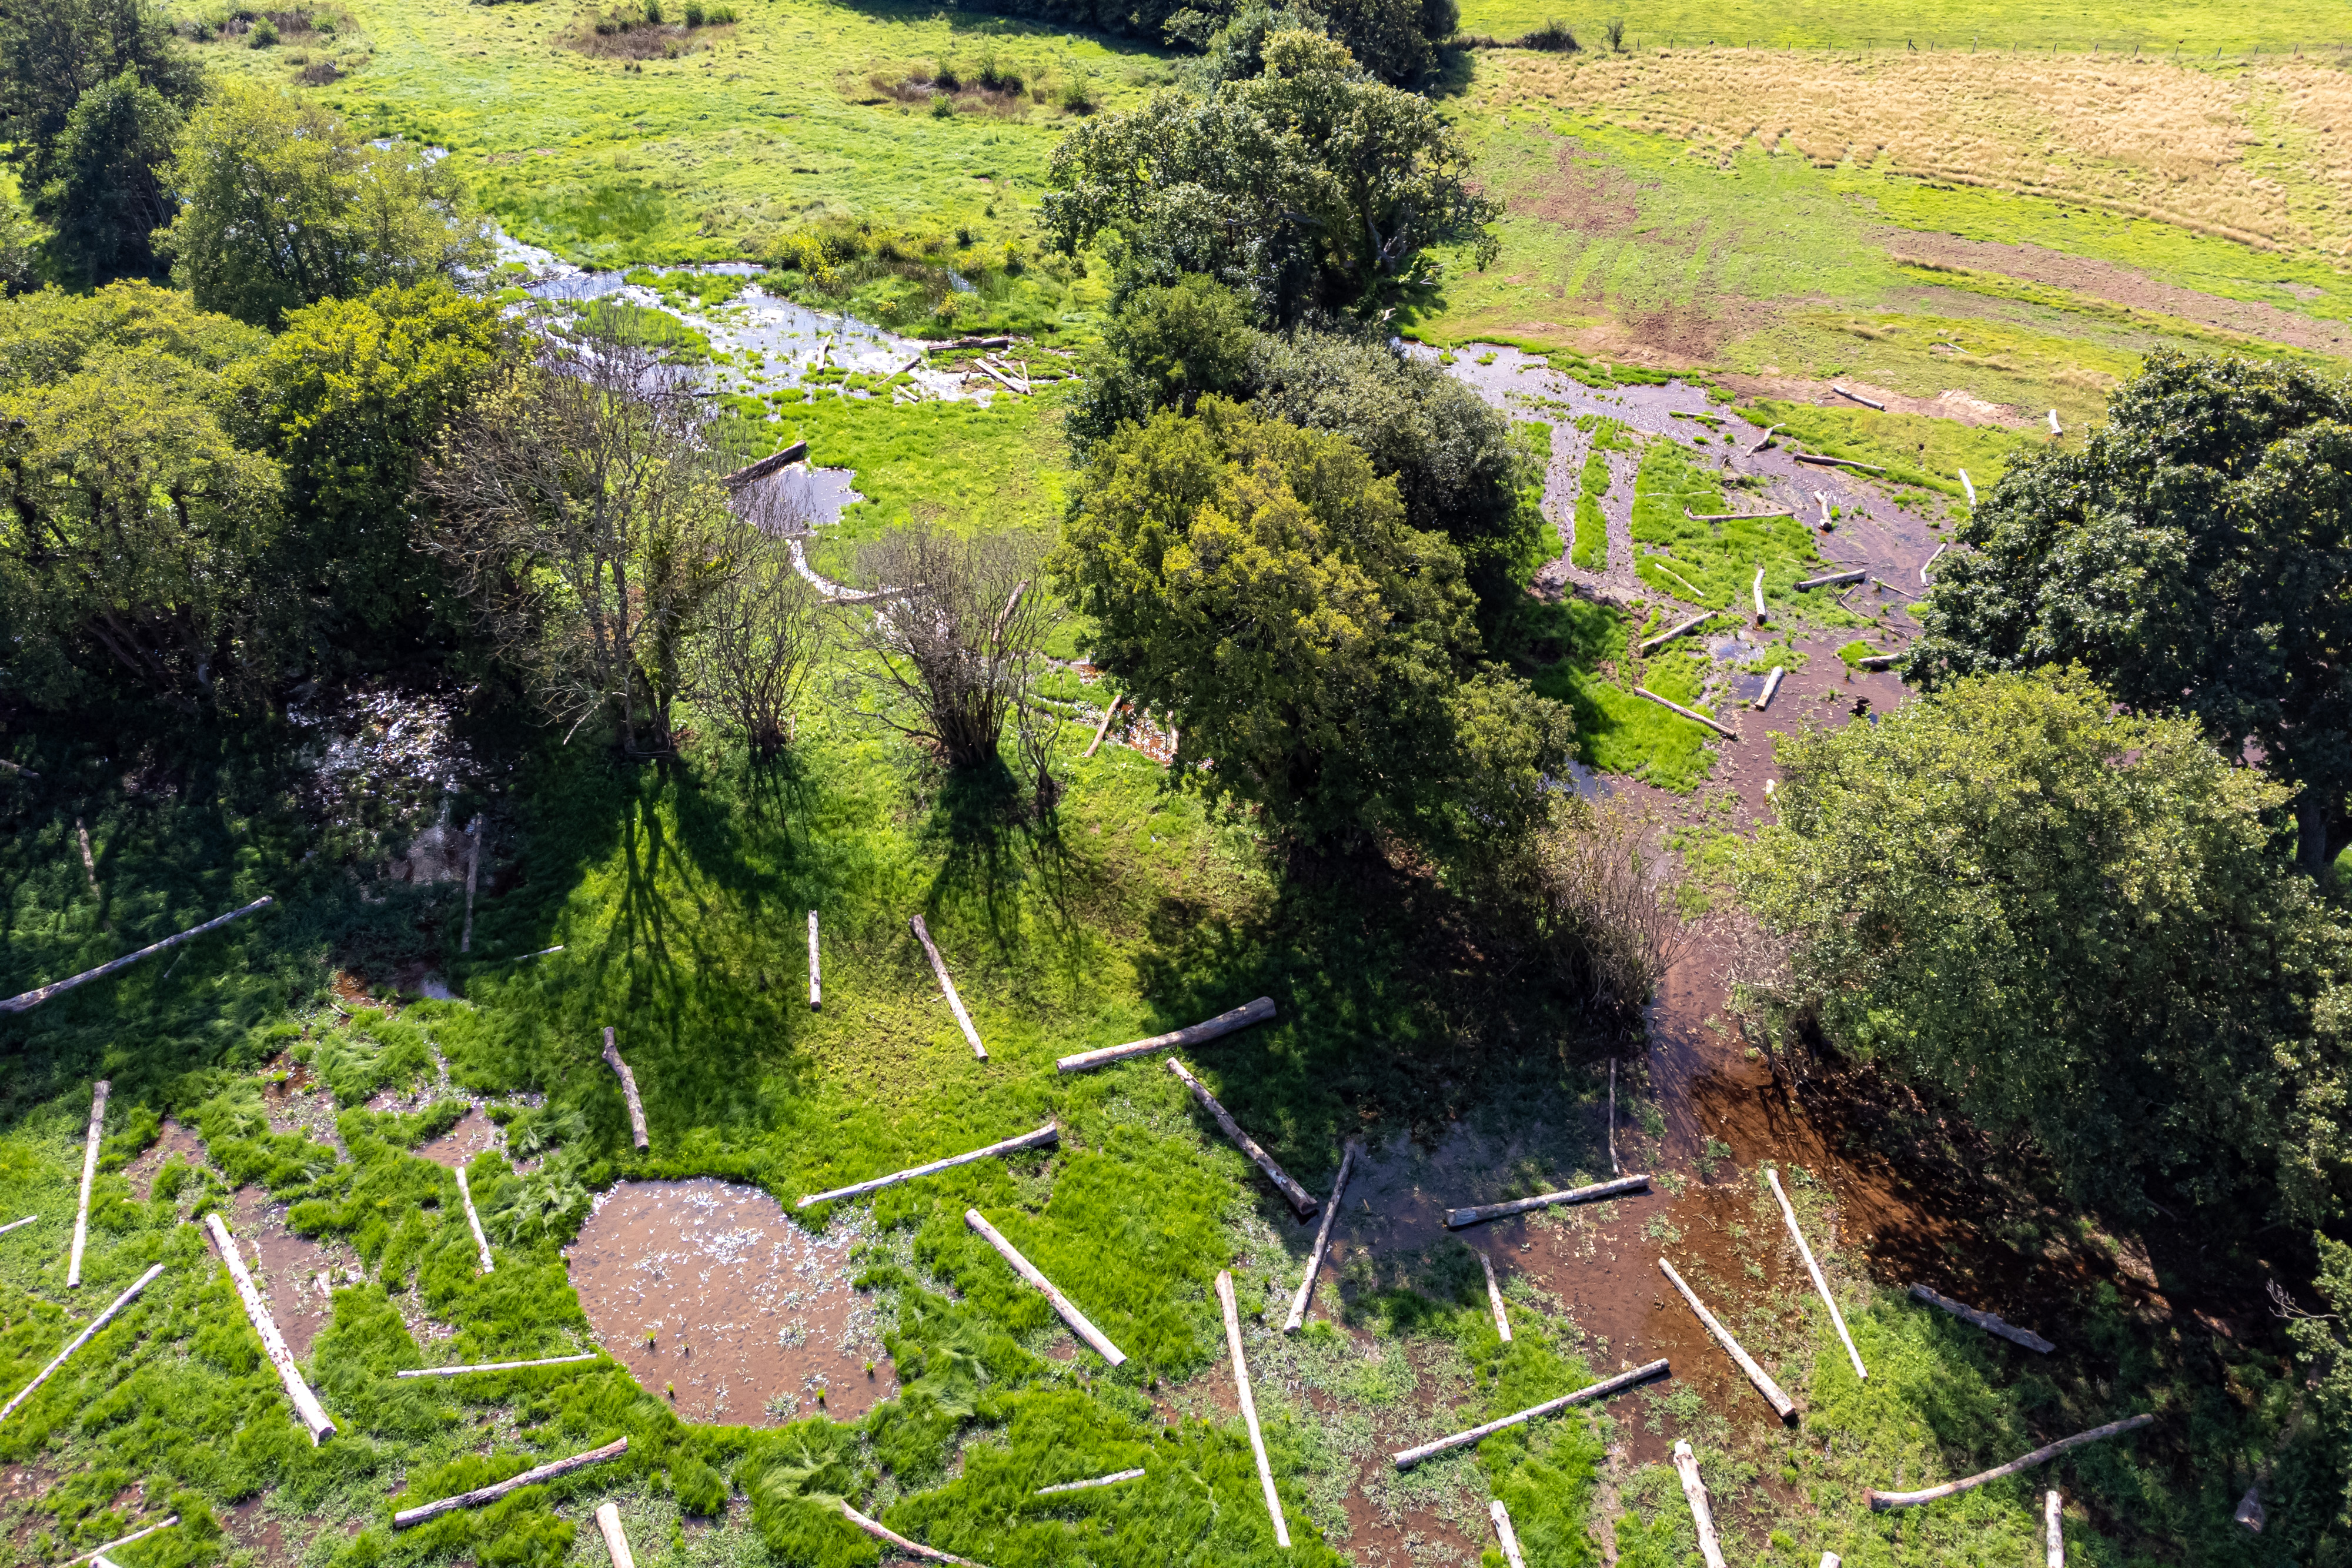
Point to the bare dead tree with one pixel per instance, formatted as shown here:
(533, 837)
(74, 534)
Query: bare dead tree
(1037, 733)
(760, 634)
(952, 646)
(579, 505)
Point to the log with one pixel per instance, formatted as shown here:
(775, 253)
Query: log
(768, 465)
(1044, 1287)
(89, 861)
(1726, 733)
(1503, 1532)
(307, 1408)
(1832, 1560)
(1985, 1320)
(1300, 1198)
(940, 967)
(816, 992)
(1924, 565)
(1225, 1024)
(1781, 1404)
(1822, 1286)
(1765, 441)
(2249, 1510)
(529, 1478)
(1051, 1133)
(1878, 661)
(1832, 579)
(1887, 587)
(125, 1541)
(495, 1365)
(1322, 1240)
(617, 1542)
(1857, 397)
(1757, 589)
(628, 1092)
(40, 994)
(482, 1242)
(1968, 484)
(1612, 1117)
(1880, 1501)
(473, 874)
(80, 1340)
(1477, 1214)
(1730, 517)
(15, 1223)
(1104, 727)
(1110, 1480)
(2055, 428)
(1010, 384)
(1771, 685)
(542, 953)
(1677, 630)
(1606, 1386)
(1249, 1409)
(1694, 1494)
(884, 1533)
(18, 769)
(1822, 499)
(2054, 1537)
(89, 1179)
(1825, 461)
(1495, 1297)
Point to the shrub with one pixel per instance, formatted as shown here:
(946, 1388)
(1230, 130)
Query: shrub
(1615, 33)
(263, 34)
(1078, 95)
(1551, 38)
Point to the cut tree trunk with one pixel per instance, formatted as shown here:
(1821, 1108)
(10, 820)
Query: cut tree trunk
(1756, 590)
(1612, 1106)
(40, 994)
(1495, 1297)
(766, 465)
(1878, 661)
(1857, 397)
(15, 1223)
(1966, 484)
(1880, 1501)
(617, 1543)
(628, 1092)
(816, 992)
(1504, 1533)
(1725, 731)
(89, 1179)
(1765, 441)
(1924, 565)
(1225, 1024)
(307, 1408)
(89, 861)
(118, 1544)
(1249, 1409)
(1409, 1458)
(1985, 1320)
(533, 1477)
(495, 1365)
(1821, 461)
(1044, 1287)
(481, 1242)
(1832, 579)
(1731, 517)
(1300, 1199)
(1820, 1285)
(1455, 1218)
(473, 874)
(883, 1533)
(1781, 1404)
(1322, 1240)
(80, 1340)
(955, 1003)
(1104, 727)
(1051, 1133)
(1110, 1480)
(1771, 685)
(1671, 633)
(2054, 1537)
(1694, 1494)
(2249, 1510)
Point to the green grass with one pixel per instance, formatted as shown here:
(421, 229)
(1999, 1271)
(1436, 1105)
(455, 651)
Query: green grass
(1913, 448)
(1592, 487)
(1712, 566)
(1580, 652)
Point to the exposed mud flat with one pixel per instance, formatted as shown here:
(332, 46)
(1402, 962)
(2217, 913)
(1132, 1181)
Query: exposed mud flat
(458, 1146)
(709, 1294)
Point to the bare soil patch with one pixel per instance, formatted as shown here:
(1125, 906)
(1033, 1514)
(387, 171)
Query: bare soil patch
(458, 1146)
(175, 1139)
(294, 1272)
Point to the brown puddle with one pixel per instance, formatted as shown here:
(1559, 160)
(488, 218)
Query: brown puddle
(750, 1315)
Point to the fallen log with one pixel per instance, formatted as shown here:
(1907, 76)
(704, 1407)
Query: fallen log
(1694, 1494)
(1985, 1320)
(542, 953)
(1051, 1133)
(1322, 1240)
(1299, 1198)
(495, 1365)
(1880, 1501)
(955, 1003)
(1930, 561)
(473, 873)
(2055, 428)
(18, 769)
(884, 1533)
(1857, 397)
(1781, 1404)
(816, 992)
(617, 1542)
(1010, 384)
(78, 1341)
(1820, 1285)
(1966, 484)
(2054, 1538)
(1722, 730)
(1878, 661)
(1832, 579)
(1771, 684)
(1225, 1024)
(1044, 1287)
(15, 1223)
(1502, 1518)
(529, 1478)
(1677, 630)
(996, 342)
(1612, 1117)
(481, 1242)
(1110, 1480)
(307, 1408)
(40, 994)
(1730, 517)
(1822, 460)
(1495, 1297)
(628, 1092)
(1822, 499)
(1249, 1409)
(1765, 441)
(1890, 588)
(1455, 1218)
(2249, 1510)
(89, 1179)
(1104, 727)
(1832, 1560)
(89, 861)
(1757, 589)
(118, 1545)
(1606, 1386)
(770, 463)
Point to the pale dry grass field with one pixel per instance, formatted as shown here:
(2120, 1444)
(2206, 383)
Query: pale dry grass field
(2261, 154)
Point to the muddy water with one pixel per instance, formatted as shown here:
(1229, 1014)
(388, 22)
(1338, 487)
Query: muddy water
(708, 1294)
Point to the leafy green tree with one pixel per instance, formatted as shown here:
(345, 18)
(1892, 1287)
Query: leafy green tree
(1395, 41)
(2196, 556)
(1308, 187)
(2070, 920)
(1164, 348)
(285, 207)
(106, 189)
(1259, 584)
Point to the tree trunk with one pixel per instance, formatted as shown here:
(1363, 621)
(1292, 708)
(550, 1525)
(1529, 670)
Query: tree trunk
(2318, 831)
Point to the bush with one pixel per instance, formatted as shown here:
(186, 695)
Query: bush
(1078, 95)
(1615, 33)
(263, 36)
(1551, 38)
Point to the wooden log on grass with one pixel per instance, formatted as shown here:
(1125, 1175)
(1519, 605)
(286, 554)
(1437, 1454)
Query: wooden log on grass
(481, 1242)
(766, 465)
(1731, 517)
(1757, 589)
(15, 1223)
(1985, 1320)
(40, 994)
(1299, 1198)
(536, 1475)
(1504, 1533)
(80, 1340)
(1726, 733)
(628, 1092)
(1478, 1214)
(1832, 579)
(2055, 428)
(118, 1545)
(2053, 1537)
(1104, 727)
(1924, 565)
(1889, 588)
(1822, 460)
(1857, 397)
(473, 874)
(1694, 1494)
(1677, 630)
(497, 1365)
(1051, 1133)
(1784, 1406)
(1969, 486)
(616, 1540)
(1044, 1287)
(1249, 1409)
(1820, 1285)
(1878, 661)
(913, 1549)
(1322, 1240)
(955, 1003)
(307, 1408)
(1765, 441)
(1494, 1296)
(1409, 1458)
(1880, 1501)
(1771, 685)
(1089, 1484)
(89, 1179)
(816, 992)
(1225, 1024)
